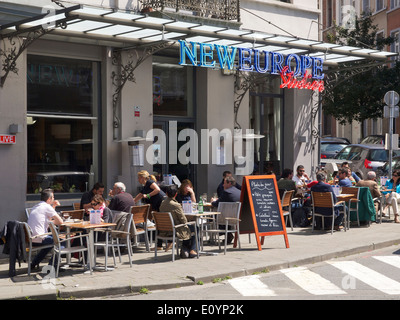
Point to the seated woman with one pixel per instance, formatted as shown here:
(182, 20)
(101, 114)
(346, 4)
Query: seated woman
(183, 232)
(185, 192)
(151, 192)
(392, 193)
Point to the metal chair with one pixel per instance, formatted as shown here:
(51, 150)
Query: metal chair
(29, 247)
(229, 216)
(165, 223)
(28, 213)
(59, 249)
(287, 203)
(355, 192)
(122, 231)
(139, 215)
(325, 200)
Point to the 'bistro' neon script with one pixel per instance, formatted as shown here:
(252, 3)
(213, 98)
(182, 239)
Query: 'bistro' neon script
(258, 61)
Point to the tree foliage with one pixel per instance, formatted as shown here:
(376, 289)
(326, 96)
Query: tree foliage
(355, 91)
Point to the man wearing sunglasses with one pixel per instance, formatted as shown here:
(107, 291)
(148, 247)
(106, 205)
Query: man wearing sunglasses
(301, 178)
(87, 197)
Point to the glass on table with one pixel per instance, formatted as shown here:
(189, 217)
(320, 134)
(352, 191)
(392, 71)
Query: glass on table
(66, 216)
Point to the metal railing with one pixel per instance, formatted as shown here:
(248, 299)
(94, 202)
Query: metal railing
(216, 9)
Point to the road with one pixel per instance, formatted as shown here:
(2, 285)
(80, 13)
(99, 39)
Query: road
(373, 275)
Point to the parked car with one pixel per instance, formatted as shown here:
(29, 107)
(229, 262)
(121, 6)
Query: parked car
(364, 157)
(384, 170)
(330, 146)
(375, 139)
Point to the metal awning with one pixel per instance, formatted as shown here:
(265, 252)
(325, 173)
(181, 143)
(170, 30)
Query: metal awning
(124, 29)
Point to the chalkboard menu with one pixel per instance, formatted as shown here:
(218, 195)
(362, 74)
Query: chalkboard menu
(261, 211)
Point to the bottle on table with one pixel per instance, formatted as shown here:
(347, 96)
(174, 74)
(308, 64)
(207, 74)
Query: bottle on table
(200, 205)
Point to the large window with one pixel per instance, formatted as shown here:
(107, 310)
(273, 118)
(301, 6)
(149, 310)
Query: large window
(395, 46)
(265, 115)
(380, 5)
(394, 4)
(365, 7)
(173, 109)
(61, 118)
(172, 88)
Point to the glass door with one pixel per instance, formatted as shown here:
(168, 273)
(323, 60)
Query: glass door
(266, 120)
(173, 164)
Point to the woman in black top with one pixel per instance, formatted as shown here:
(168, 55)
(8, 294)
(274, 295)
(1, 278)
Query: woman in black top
(151, 192)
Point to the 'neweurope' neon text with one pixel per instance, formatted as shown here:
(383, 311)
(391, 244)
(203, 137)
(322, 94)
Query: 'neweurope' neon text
(258, 61)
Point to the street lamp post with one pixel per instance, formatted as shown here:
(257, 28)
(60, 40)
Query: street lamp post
(391, 111)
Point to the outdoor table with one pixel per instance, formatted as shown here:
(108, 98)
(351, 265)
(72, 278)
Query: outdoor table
(85, 225)
(198, 216)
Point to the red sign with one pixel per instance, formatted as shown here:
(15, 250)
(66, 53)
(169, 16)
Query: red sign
(7, 139)
(289, 81)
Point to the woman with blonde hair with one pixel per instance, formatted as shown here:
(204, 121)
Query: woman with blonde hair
(151, 192)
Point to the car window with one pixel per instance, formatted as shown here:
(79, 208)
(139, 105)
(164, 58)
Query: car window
(331, 147)
(343, 155)
(378, 155)
(355, 153)
(372, 140)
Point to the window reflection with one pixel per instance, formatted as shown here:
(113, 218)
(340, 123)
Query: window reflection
(60, 139)
(59, 154)
(171, 92)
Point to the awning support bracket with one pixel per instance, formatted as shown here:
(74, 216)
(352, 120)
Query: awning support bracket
(125, 72)
(18, 44)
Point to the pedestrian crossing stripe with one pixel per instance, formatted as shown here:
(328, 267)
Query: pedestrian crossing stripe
(392, 260)
(312, 282)
(317, 285)
(251, 286)
(368, 276)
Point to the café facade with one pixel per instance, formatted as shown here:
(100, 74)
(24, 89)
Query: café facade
(91, 93)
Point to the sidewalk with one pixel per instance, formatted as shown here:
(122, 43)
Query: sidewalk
(305, 248)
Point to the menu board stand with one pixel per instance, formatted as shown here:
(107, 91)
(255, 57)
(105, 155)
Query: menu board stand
(261, 211)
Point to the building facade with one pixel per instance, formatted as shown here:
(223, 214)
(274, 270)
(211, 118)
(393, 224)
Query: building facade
(102, 91)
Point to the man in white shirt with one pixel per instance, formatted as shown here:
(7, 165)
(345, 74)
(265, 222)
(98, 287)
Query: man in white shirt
(39, 220)
(300, 178)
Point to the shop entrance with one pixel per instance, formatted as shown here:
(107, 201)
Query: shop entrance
(266, 119)
(182, 171)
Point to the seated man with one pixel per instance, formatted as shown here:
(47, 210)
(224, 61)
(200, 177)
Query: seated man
(121, 200)
(286, 181)
(373, 187)
(322, 186)
(353, 174)
(87, 197)
(38, 221)
(230, 194)
(169, 204)
(344, 180)
(220, 188)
